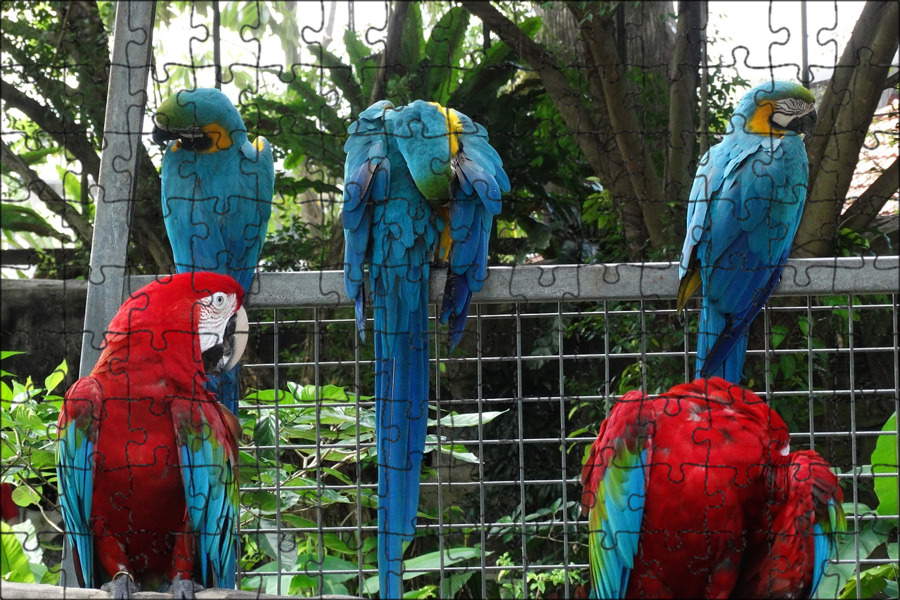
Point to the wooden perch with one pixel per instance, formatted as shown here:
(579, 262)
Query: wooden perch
(38, 591)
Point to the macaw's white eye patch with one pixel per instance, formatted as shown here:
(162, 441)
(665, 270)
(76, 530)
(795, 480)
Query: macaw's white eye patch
(214, 313)
(789, 109)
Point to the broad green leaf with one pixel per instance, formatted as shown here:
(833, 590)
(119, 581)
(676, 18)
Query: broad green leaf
(334, 542)
(788, 365)
(265, 433)
(430, 562)
(433, 561)
(13, 561)
(268, 584)
(267, 396)
(24, 496)
(778, 334)
(272, 544)
(443, 51)
(331, 581)
(364, 62)
(480, 86)
(467, 419)
(22, 218)
(872, 582)
(411, 41)
(884, 462)
(342, 75)
(56, 377)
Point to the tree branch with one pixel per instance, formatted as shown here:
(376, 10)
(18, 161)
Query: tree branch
(684, 76)
(579, 119)
(845, 113)
(625, 125)
(48, 196)
(391, 47)
(861, 213)
(892, 80)
(73, 139)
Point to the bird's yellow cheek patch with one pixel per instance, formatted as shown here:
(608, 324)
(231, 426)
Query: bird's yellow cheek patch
(453, 126)
(221, 139)
(761, 122)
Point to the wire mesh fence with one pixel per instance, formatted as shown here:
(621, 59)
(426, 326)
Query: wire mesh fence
(514, 412)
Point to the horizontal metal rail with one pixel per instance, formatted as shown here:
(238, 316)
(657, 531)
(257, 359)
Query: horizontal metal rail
(581, 283)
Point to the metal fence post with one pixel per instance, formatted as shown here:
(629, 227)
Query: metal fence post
(114, 193)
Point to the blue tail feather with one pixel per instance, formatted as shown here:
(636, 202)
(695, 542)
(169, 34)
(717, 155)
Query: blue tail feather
(401, 388)
(226, 388)
(721, 346)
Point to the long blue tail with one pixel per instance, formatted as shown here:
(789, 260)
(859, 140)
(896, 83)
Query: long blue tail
(401, 412)
(226, 388)
(721, 347)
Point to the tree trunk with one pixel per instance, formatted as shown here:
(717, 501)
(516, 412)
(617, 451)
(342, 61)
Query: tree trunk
(685, 78)
(626, 127)
(862, 213)
(845, 113)
(391, 47)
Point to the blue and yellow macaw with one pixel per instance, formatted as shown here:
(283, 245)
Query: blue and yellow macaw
(416, 178)
(217, 190)
(745, 207)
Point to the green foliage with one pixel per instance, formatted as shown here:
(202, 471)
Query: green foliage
(292, 247)
(537, 584)
(884, 466)
(328, 436)
(853, 243)
(28, 462)
(878, 537)
(18, 218)
(13, 562)
(28, 441)
(872, 538)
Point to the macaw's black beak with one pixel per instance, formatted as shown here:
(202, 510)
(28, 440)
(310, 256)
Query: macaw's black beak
(161, 137)
(194, 139)
(804, 124)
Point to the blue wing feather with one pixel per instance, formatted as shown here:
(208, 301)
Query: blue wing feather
(745, 206)
(479, 180)
(210, 489)
(615, 522)
(826, 542)
(398, 166)
(75, 470)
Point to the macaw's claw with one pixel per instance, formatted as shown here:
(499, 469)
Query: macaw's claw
(184, 589)
(122, 586)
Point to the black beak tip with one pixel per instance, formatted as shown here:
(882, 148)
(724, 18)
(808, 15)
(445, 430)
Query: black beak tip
(160, 137)
(811, 119)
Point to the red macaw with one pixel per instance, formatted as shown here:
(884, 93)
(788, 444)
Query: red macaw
(694, 494)
(147, 459)
(8, 508)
